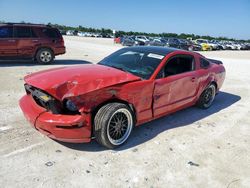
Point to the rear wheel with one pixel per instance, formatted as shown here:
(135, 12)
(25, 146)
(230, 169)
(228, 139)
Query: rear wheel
(113, 124)
(207, 97)
(44, 56)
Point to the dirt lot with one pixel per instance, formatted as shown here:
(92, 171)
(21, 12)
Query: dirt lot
(191, 148)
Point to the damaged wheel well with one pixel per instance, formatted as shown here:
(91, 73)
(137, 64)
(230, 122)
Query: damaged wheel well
(95, 110)
(215, 84)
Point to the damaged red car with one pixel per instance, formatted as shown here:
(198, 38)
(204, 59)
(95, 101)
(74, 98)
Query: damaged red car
(128, 88)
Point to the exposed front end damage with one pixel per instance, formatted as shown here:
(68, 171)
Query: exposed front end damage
(60, 106)
(46, 115)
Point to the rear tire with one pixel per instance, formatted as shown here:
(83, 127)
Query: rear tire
(207, 97)
(44, 56)
(113, 124)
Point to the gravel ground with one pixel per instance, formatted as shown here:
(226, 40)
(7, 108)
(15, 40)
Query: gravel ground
(191, 148)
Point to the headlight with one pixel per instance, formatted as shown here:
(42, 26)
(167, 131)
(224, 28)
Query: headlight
(71, 106)
(136, 42)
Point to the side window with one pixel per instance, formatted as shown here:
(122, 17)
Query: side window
(178, 65)
(6, 32)
(22, 32)
(50, 33)
(33, 33)
(204, 63)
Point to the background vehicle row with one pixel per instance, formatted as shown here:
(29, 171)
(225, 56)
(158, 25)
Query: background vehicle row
(185, 44)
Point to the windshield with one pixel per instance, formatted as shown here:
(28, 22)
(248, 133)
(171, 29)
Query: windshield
(141, 64)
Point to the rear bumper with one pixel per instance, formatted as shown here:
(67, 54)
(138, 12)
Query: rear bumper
(59, 50)
(66, 128)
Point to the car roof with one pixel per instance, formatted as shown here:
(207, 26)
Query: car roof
(24, 24)
(153, 49)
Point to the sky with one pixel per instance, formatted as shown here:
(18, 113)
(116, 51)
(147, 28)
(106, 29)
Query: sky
(228, 18)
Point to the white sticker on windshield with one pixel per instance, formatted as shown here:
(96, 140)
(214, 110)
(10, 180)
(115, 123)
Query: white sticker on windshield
(157, 56)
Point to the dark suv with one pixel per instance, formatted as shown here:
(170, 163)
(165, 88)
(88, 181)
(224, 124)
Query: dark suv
(40, 43)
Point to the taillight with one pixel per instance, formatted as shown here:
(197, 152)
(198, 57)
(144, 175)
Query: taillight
(62, 42)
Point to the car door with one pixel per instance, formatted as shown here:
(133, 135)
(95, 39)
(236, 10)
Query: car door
(8, 45)
(26, 40)
(176, 85)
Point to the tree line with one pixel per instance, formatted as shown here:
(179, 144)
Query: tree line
(132, 33)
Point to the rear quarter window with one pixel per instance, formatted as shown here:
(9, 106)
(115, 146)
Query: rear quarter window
(204, 63)
(51, 33)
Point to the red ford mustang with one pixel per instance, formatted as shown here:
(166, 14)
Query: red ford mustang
(128, 88)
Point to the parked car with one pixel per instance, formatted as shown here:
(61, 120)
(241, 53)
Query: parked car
(215, 45)
(204, 44)
(128, 41)
(40, 43)
(141, 40)
(81, 34)
(245, 46)
(158, 42)
(117, 40)
(237, 45)
(230, 45)
(177, 43)
(70, 32)
(97, 35)
(63, 32)
(106, 35)
(191, 45)
(75, 32)
(220, 45)
(132, 86)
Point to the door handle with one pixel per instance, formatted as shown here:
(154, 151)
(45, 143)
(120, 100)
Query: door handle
(34, 40)
(193, 79)
(11, 40)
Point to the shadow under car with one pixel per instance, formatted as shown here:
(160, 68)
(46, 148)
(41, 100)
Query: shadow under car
(151, 129)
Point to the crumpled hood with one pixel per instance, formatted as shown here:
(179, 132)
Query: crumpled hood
(77, 80)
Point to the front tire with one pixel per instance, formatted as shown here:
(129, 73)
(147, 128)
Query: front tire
(113, 124)
(207, 97)
(44, 56)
